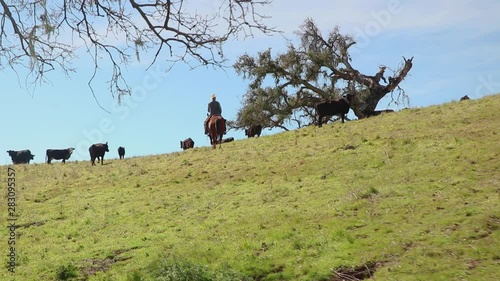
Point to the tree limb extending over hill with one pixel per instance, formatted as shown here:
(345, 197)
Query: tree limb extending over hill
(42, 35)
(319, 68)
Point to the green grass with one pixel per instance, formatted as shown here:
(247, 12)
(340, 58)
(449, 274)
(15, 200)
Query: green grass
(415, 194)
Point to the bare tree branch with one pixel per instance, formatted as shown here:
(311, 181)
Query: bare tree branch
(40, 35)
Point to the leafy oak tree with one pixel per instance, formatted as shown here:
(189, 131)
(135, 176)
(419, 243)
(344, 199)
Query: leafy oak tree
(319, 68)
(41, 36)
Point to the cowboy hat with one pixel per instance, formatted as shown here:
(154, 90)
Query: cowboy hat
(214, 96)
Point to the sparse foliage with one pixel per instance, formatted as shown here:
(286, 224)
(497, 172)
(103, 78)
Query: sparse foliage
(42, 36)
(317, 69)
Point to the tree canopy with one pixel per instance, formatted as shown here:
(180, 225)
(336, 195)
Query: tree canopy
(43, 36)
(284, 89)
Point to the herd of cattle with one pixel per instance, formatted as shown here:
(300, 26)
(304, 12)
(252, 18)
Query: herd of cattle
(98, 150)
(329, 108)
(336, 107)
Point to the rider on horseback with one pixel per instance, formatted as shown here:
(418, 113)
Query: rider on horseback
(214, 108)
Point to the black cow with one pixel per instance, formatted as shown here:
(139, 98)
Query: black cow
(187, 144)
(466, 97)
(21, 156)
(335, 107)
(230, 139)
(58, 154)
(121, 152)
(98, 150)
(253, 131)
(370, 113)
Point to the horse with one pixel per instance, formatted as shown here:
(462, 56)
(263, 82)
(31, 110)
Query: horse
(216, 129)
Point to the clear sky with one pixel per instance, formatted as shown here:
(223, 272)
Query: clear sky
(455, 45)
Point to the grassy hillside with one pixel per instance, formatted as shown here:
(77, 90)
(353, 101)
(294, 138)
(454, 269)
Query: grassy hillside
(413, 195)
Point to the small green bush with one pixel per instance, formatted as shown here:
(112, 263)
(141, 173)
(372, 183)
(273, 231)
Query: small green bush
(172, 269)
(67, 272)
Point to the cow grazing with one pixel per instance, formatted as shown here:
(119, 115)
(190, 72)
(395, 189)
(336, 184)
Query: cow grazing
(253, 131)
(121, 152)
(187, 144)
(466, 97)
(98, 150)
(21, 156)
(335, 107)
(230, 139)
(370, 113)
(58, 154)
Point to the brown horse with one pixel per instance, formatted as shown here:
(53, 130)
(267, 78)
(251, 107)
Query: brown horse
(216, 129)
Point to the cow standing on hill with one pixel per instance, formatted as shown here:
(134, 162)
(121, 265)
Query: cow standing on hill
(253, 131)
(121, 152)
(335, 107)
(21, 156)
(97, 151)
(187, 143)
(59, 154)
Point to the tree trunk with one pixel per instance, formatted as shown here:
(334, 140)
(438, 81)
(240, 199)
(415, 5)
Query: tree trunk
(364, 103)
(361, 105)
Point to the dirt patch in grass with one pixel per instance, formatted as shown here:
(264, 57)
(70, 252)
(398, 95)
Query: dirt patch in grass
(94, 265)
(35, 223)
(349, 147)
(360, 272)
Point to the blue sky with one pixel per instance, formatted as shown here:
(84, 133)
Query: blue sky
(455, 45)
